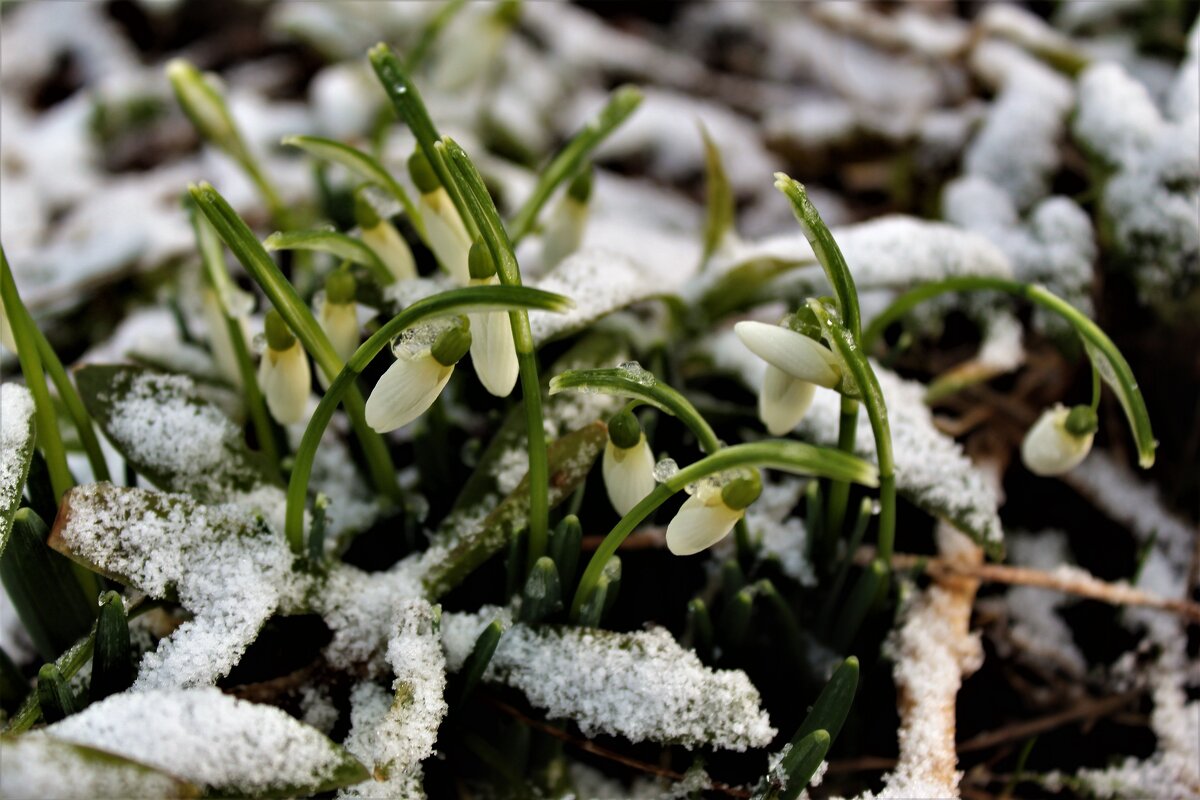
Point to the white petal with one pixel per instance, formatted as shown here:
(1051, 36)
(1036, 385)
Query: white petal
(699, 525)
(392, 250)
(794, 353)
(219, 340)
(286, 380)
(340, 323)
(6, 332)
(628, 474)
(445, 234)
(493, 351)
(783, 401)
(405, 392)
(563, 232)
(1049, 448)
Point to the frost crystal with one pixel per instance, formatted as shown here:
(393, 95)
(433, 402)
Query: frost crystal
(642, 686)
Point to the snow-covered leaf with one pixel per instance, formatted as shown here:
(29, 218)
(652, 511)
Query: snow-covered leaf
(408, 732)
(37, 765)
(165, 428)
(16, 451)
(227, 746)
(642, 686)
(222, 562)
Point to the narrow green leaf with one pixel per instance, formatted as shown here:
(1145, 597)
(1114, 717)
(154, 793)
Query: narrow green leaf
(785, 618)
(862, 597)
(481, 655)
(566, 541)
(361, 164)
(734, 624)
(720, 204)
(43, 588)
(542, 595)
(832, 706)
(570, 459)
(700, 628)
(623, 102)
(612, 579)
(336, 244)
(790, 775)
(733, 579)
(17, 434)
(430, 31)
(54, 695)
(826, 250)
(112, 660)
(592, 611)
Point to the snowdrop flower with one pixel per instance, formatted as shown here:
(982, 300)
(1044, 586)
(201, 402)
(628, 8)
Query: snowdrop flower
(444, 230)
(409, 387)
(564, 230)
(200, 97)
(283, 373)
(339, 314)
(628, 463)
(1059, 440)
(472, 46)
(709, 515)
(796, 365)
(493, 351)
(6, 332)
(381, 236)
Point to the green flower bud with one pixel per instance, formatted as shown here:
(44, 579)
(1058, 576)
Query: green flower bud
(741, 492)
(624, 429)
(422, 172)
(508, 12)
(581, 185)
(364, 212)
(340, 287)
(279, 336)
(1081, 421)
(452, 345)
(479, 261)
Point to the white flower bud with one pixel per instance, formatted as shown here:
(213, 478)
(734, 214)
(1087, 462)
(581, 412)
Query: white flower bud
(628, 474)
(703, 520)
(286, 380)
(446, 235)
(1049, 448)
(406, 391)
(493, 351)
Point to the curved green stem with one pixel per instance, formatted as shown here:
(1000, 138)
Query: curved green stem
(839, 491)
(483, 211)
(249, 251)
(453, 302)
(411, 108)
(1105, 357)
(213, 260)
(568, 161)
(1095, 388)
(620, 382)
(789, 456)
(70, 396)
(29, 355)
(335, 243)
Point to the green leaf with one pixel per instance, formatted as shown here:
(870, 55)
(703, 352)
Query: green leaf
(542, 595)
(481, 655)
(360, 164)
(168, 432)
(700, 628)
(858, 605)
(734, 624)
(721, 210)
(17, 434)
(112, 660)
(55, 697)
(336, 244)
(829, 711)
(565, 544)
(461, 551)
(790, 775)
(44, 588)
(37, 765)
(623, 102)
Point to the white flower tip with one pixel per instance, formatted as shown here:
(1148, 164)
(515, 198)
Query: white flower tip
(791, 352)
(405, 392)
(699, 525)
(1049, 448)
(286, 380)
(628, 474)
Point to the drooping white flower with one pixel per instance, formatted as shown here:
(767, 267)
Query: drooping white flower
(1059, 440)
(709, 515)
(563, 232)
(411, 385)
(283, 374)
(628, 463)
(200, 98)
(493, 350)
(339, 314)
(381, 236)
(796, 365)
(219, 340)
(445, 232)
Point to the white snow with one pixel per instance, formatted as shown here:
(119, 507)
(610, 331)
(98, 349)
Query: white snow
(38, 765)
(220, 743)
(16, 439)
(642, 686)
(370, 705)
